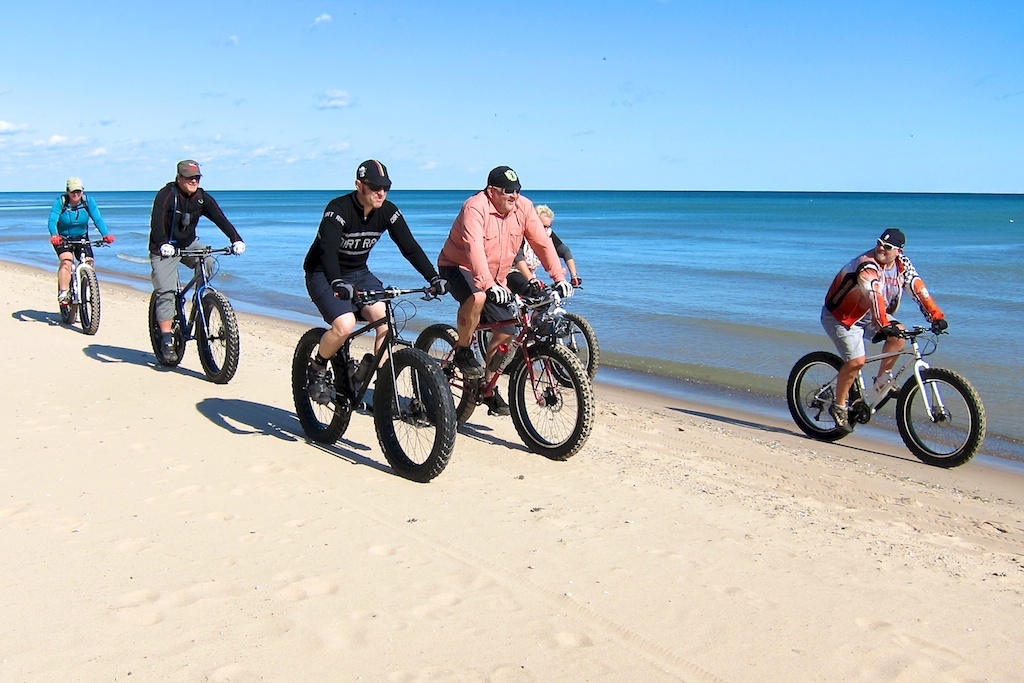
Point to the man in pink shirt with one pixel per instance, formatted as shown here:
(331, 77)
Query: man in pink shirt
(476, 259)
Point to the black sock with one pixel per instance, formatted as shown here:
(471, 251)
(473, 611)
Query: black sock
(320, 360)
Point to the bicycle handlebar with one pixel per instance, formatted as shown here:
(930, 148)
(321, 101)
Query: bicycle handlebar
(199, 252)
(372, 296)
(82, 241)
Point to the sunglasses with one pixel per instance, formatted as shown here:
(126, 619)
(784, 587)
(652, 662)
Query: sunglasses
(505, 190)
(886, 246)
(375, 188)
(193, 178)
(75, 192)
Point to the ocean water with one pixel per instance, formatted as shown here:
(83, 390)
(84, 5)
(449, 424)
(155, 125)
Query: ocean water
(717, 288)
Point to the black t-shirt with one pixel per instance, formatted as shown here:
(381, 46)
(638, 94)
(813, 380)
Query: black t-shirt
(345, 238)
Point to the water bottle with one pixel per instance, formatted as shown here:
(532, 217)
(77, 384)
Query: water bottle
(884, 382)
(498, 359)
(364, 369)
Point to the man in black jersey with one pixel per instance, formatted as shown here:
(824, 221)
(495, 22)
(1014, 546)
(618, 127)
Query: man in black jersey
(336, 263)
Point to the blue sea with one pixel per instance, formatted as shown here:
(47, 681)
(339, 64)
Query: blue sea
(706, 295)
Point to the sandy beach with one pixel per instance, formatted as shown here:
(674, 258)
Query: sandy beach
(158, 527)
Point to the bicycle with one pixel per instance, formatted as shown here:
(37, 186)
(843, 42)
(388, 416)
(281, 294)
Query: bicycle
(84, 303)
(210, 321)
(413, 412)
(939, 414)
(555, 324)
(551, 398)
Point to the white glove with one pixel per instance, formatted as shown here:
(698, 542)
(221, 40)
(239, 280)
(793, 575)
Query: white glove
(499, 295)
(167, 250)
(564, 289)
(238, 248)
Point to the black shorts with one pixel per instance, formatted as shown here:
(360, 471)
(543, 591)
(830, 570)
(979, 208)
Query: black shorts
(329, 305)
(460, 284)
(81, 251)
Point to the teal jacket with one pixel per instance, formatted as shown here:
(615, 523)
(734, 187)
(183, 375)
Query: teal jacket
(73, 221)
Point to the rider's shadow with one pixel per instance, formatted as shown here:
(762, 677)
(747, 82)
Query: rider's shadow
(30, 315)
(119, 354)
(246, 417)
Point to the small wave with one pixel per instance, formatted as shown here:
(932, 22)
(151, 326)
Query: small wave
(132, 259)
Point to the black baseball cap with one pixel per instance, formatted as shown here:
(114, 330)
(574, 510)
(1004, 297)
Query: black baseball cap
(893, 236)
(505, 178)
(372, 172)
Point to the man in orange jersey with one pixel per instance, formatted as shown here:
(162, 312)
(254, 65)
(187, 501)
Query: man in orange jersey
(861, 298)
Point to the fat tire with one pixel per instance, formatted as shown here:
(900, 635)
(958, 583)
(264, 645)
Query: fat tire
(321, 423)
(155, 336)
(223, 324)
(586, 330)
(930, 442)
(439, 341)
(89, 308)
(553, 386)
(806, 378)
(428, 404)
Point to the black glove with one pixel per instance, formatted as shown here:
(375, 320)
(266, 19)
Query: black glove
(343, 290)
(564, 289)
(576, 281)
(499, 295)
(534, 288)
(438, 286)
(891, 330)
(939, 326)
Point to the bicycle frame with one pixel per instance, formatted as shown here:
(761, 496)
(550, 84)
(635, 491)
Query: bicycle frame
(78, 263)
(518, 344)
(198, 285)
(390, 341)
(915, 360)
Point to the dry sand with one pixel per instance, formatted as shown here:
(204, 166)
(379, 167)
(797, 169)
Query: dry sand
(157, 527)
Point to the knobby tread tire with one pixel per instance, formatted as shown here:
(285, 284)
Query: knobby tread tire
(224, 330)
(323, 424)
(429, 403)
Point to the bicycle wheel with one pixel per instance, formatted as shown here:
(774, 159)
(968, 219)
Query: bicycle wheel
(810, 391)
(414, 415)
(438, 341)
(155, 337)
(324, 423)
(219, 346)
(581, 339)
(952, 430)
(89, 308)
(552, 415)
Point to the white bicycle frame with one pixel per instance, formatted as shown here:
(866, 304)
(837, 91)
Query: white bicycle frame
(930, 397)
(77, 279)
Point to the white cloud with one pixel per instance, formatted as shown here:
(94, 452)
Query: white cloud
(232, 41)
(429, 166)
(322, 19)
(7, 128)
(98, 152)
(61, 141)
(334, 99)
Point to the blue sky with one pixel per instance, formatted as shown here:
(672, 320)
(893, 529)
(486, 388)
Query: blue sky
(645, 94)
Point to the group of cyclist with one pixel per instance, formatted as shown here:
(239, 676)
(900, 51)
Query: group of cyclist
(496, 243)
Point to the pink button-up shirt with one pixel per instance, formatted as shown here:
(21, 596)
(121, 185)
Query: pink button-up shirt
(485, 243)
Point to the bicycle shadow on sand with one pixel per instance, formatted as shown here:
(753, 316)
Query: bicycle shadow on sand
(145, 359)
(484, 434)
(34, 316)
(792, 432)
(246, 417)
